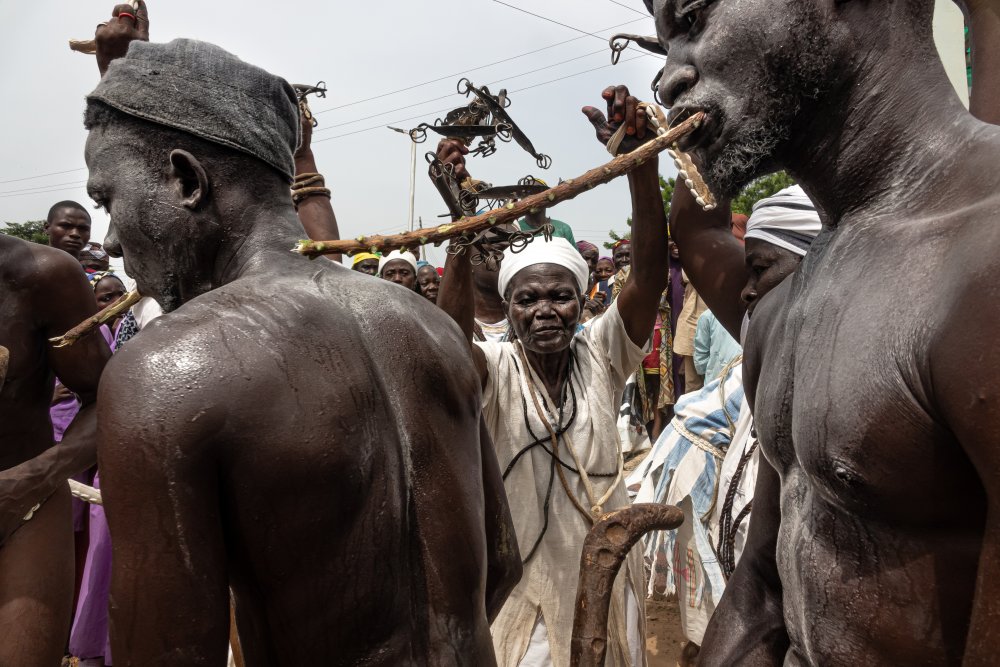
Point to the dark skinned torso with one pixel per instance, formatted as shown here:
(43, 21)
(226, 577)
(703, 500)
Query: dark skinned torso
(881, 507)
(351, 507)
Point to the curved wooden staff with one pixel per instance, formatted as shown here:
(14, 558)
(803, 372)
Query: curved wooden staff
(566, 190)
(604, 550)
(91, 324)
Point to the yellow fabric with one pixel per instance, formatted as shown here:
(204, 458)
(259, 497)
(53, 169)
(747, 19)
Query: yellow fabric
(362, 256)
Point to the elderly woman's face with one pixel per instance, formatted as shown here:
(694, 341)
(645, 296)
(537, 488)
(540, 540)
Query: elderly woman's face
(544, 305)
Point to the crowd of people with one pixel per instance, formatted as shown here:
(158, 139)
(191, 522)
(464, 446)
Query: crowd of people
(382, 461)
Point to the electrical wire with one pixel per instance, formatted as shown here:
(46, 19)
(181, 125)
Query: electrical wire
(466, 71)
(51, 173)
(431, 113)
(565, 25)
(632, 9)
(453, 94)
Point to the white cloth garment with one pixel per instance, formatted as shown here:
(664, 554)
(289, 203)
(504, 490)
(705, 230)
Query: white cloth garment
(603, 357)
(396, 254)
(557, 251)
(788, 220)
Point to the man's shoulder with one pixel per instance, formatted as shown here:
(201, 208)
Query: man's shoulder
(33, 261)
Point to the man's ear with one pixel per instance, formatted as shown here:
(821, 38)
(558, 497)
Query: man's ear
(191, 179)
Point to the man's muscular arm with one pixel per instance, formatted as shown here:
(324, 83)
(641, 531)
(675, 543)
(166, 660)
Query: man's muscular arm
(965, 367)
(455, 296)
(169, 600)
(503, 557)
(983, 17)
(638, 299)
(714, 260)
(748, 627)
(62, 299)
(316, 212)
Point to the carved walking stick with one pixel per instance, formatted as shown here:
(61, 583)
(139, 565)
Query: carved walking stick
(566, 190)
(604, 551)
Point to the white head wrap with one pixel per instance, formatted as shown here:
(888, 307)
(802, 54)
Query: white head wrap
(396, 254)
(788, 220)
(558, 251)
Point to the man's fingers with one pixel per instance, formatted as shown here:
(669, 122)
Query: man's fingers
(142, 16)
(609, 96)
(630, 120)
(621, 94)
(596, 118)
(640, 123)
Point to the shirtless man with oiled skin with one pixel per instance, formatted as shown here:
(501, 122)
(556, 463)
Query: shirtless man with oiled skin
(43, 293)
(261, 437)
(876, 527)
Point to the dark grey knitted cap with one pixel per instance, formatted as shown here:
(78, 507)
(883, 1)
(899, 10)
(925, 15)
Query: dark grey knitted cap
(199, 88)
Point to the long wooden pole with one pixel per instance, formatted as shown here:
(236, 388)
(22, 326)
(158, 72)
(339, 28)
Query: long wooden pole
(566, 190)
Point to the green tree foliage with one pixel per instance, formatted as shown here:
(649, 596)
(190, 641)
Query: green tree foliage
(760, 189)
(666, 191)
(29, 231)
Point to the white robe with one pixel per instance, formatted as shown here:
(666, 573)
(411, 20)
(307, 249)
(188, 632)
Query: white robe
(604, 356)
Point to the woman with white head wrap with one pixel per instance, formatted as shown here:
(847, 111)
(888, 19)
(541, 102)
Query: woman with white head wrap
(552, 392)
(714, 426)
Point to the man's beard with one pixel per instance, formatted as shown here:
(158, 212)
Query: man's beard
(789, 85)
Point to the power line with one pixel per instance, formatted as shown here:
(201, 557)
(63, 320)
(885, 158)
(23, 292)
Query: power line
(40, 192)
(633, 9)
(52, 173)
(40, 187)
(474, 69)
(565, 25)
(444, 97)
(426, 113)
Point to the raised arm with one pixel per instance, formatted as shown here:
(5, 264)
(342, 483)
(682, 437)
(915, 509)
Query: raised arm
(984, 29)
(714, 260)
(315, 211)
(125, 26)
(456, 293)
(638, 300)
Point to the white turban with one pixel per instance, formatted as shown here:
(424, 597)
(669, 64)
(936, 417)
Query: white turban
(788, 220)
(558, 251)
(396, 254)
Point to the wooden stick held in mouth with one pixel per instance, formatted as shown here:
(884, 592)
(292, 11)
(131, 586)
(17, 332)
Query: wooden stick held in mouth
(566, 190)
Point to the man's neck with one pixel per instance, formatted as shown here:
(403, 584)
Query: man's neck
(536, 222)
(878, 148)
(259, 232)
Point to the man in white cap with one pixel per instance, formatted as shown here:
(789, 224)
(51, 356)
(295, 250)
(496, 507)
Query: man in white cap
(547, 401)
(399, 267)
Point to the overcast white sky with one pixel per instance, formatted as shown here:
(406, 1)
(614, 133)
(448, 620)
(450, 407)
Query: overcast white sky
(362, 50)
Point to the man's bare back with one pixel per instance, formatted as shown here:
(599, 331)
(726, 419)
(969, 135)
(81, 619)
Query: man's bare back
(270, 433)
(308, 453)
(43, 293)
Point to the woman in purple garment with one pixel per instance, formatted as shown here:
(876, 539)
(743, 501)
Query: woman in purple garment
(676, 289)
(89, 639)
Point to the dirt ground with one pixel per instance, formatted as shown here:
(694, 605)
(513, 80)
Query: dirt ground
(664, 640)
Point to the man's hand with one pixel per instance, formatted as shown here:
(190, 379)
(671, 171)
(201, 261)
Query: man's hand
(453, 152)
(61, 393)
(623, 110)
(126, 26)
